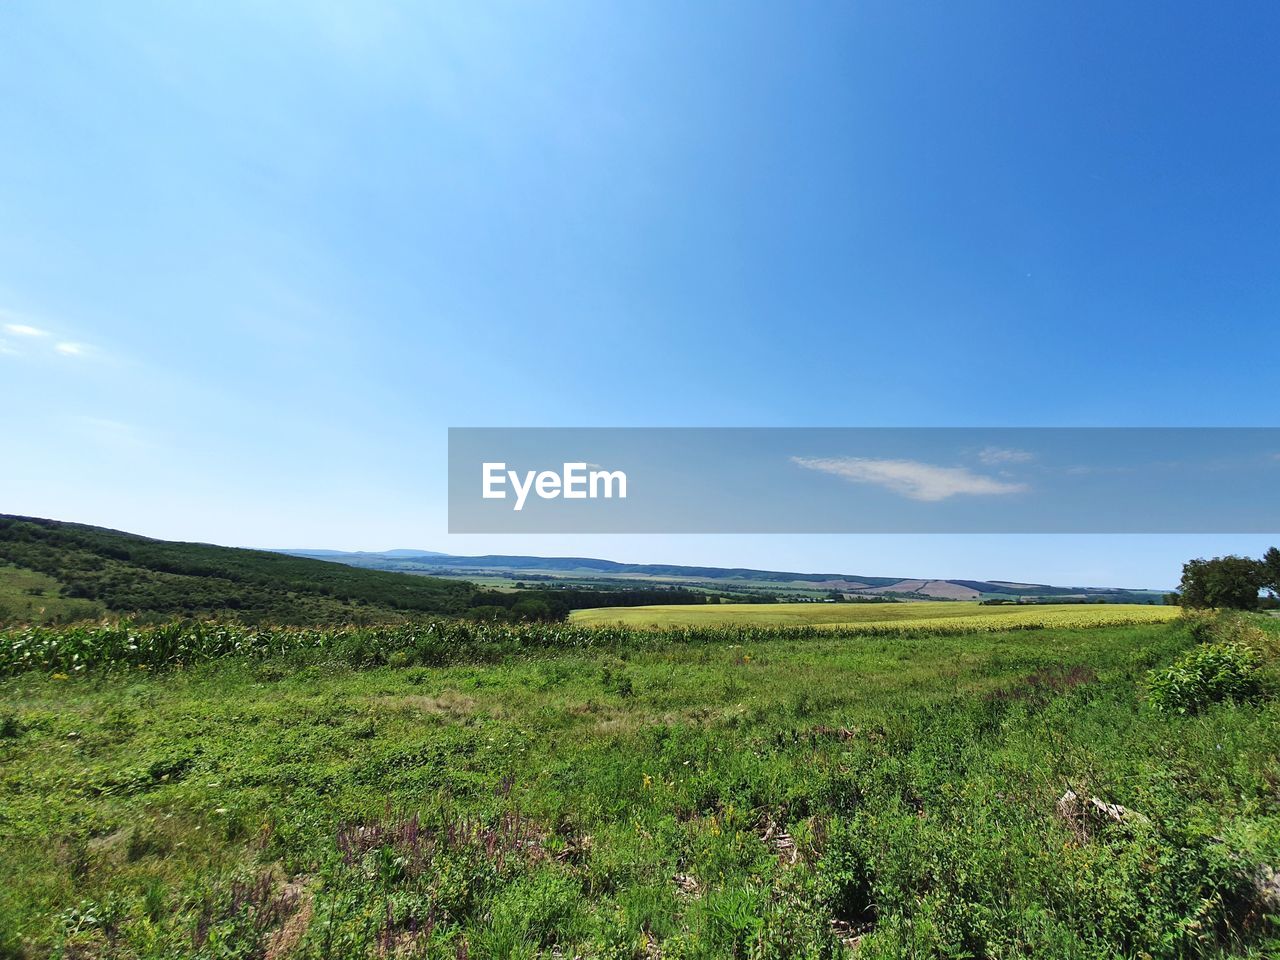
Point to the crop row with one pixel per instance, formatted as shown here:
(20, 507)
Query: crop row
(1031, 617)
(73, 649)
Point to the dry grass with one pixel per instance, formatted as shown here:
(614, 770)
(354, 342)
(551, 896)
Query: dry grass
(447, 703)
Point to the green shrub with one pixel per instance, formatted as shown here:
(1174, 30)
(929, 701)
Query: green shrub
(1209, 674)
(400, 659)
(1202, 625)
(844, 880)
(10, 726)
(1222, 626)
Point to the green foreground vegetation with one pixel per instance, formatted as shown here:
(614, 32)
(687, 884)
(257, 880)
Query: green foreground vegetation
(459, 790)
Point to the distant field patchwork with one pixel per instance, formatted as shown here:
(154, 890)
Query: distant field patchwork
(941, 613)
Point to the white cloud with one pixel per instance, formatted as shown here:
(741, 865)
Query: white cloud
(911, 478)
(996, 455)
(16, 325)
(24, 330)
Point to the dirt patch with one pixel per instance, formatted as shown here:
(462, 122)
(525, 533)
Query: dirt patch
(111, 848)
(509, 836)
(297, 899)
(1044, 684)
(687, 885)
(449, 703)
(277, 912)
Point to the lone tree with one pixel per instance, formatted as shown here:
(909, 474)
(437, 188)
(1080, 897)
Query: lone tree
(1231, 582)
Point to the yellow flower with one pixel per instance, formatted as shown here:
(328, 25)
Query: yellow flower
(648, 781)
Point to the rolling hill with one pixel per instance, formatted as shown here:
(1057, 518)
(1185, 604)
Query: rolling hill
(724, 580)
(55, 570)
(51, 571)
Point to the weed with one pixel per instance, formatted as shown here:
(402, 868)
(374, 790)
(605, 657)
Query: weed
(1209, 674)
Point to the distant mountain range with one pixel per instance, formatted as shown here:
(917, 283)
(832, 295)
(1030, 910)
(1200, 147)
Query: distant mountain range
(585, 571)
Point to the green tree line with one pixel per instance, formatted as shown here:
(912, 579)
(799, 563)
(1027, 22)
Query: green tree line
(1230, 582)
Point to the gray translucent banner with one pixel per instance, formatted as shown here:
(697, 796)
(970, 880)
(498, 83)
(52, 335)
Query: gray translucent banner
(864, 480)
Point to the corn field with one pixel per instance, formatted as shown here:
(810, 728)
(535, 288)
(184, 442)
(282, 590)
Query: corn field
(125, 645)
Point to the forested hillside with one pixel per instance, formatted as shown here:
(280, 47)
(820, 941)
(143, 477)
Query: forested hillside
(55, 571)
(127, 574)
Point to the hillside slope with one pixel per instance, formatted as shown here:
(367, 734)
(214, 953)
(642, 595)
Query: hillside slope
(122, 573)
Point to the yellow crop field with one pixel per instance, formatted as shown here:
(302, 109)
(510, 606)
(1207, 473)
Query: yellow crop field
(923, 614)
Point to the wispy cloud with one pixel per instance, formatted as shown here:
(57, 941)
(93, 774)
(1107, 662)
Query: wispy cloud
(992, 456)
(19, 327)
(911, 478)
(24, 330)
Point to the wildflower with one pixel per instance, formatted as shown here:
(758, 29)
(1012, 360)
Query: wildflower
(648, 781)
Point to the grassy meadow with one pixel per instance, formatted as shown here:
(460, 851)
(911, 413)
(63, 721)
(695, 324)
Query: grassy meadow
(27, 596)
(516, 792)
(926, 613)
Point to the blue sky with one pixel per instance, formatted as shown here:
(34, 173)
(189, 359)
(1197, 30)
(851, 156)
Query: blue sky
(275, 250)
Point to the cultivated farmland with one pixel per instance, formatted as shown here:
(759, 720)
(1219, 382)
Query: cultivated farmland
(923, 614)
